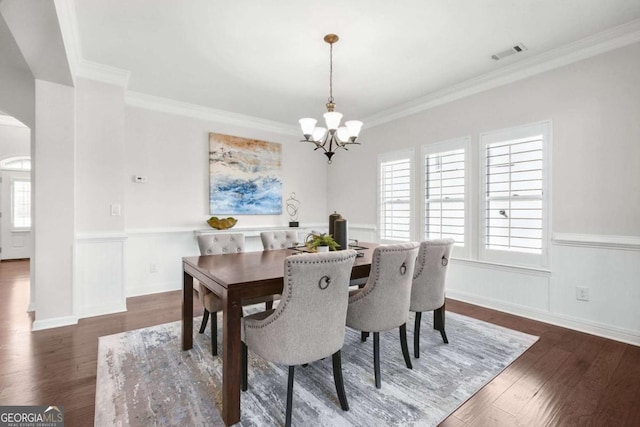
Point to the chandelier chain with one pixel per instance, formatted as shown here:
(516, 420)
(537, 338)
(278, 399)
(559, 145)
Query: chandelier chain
(331, 72)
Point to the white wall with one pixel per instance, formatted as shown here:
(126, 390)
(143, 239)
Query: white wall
(54, 162)
(173, 153)
(100, 156)
(594, 106)
(142, 249)
(14, 141)
(17, 88)
(161, 215)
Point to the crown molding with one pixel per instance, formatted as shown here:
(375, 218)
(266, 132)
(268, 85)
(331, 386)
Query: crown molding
(165, 105)
(588, 47)
(103, 73)
(11, 121)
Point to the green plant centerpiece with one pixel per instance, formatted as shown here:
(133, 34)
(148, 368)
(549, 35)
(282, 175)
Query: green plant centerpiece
(314, 241)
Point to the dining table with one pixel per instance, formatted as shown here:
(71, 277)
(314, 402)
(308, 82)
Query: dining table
(235, 277)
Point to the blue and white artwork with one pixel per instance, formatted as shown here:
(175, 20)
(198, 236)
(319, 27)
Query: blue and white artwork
(245, 176)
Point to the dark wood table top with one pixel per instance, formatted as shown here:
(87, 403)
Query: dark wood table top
(252, 268)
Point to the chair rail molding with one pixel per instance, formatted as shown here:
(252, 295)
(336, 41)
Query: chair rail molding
(629, 243)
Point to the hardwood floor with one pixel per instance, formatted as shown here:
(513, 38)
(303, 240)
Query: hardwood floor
(566, 378)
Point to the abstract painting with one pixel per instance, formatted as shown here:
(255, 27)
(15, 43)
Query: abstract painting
(245, 176)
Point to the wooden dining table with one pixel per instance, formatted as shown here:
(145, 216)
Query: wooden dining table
(234, 277)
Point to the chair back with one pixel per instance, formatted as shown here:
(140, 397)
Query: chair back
(383, 303)
(218, 244)
(309, 322)
(427, 292)
(278, 239)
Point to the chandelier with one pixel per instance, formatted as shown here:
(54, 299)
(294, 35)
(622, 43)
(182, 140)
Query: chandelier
(333, 136)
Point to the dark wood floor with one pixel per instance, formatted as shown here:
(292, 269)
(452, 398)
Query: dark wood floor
(566, 378)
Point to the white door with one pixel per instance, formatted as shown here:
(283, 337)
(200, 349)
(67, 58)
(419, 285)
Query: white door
(15, 222)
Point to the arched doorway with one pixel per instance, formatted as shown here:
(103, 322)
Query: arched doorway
(15, 206)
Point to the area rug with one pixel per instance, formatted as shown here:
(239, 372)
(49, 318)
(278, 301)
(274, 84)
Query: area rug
(145, 379)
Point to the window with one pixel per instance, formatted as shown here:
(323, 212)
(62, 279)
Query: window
(21, 203)
(514, 194)
(16, 163)
(445, 193)
(395, 201)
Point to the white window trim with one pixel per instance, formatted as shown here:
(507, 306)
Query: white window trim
(389, 157)
(439, 147)
(509, 257)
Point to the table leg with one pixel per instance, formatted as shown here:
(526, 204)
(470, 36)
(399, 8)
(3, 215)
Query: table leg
(231, 356)
(187, 311)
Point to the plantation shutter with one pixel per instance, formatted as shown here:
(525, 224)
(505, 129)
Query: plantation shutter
(514, 195)
(395, 200)
(445, 195)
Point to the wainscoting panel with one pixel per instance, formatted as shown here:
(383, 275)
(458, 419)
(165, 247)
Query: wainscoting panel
(99, 271)
(610, 272)
(495, 285)
(154, 260)
(608, 267)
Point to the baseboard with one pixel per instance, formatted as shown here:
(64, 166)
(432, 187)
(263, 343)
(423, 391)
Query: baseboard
(136, 291)
(569, 322)
(55, 322)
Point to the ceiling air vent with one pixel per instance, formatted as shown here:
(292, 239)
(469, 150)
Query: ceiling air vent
(511, 51)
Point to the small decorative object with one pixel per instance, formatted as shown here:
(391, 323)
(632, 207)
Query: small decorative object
(293, 205)
(315, 243)
(332, 219)
(340, 233)
(221, 223)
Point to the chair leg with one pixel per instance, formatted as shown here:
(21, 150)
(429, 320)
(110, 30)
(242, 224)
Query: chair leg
(364, 336)
(438, 322)
(337, 378)
(214, 334)
(289, 396)
(268, 305)
(403, 344)
(376, 358)
(244, 368)
(205, 319)
(416, 336)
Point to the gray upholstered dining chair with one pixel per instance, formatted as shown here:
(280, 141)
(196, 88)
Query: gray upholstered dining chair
(219, 244)
(278, 239)
(309, 322)
(383, 303)
(427, 292)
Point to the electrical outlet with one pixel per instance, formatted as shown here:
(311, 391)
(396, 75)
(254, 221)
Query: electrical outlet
(582, 294)
(116, 210)
(153, 268)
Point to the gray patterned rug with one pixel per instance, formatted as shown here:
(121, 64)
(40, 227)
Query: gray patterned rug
(144, 378)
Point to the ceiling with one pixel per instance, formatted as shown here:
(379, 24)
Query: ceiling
(267, 59)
